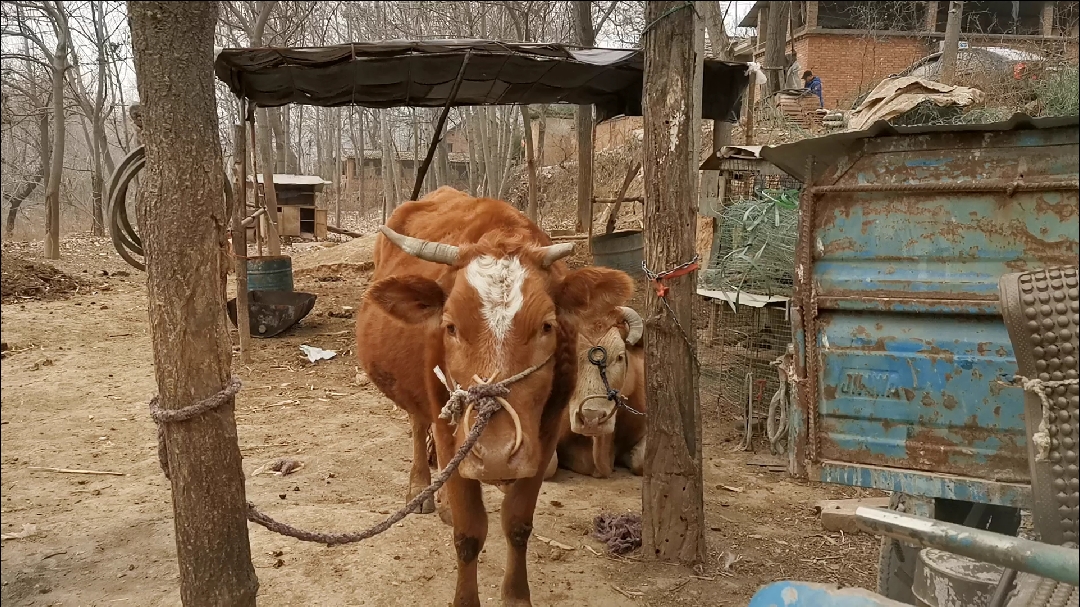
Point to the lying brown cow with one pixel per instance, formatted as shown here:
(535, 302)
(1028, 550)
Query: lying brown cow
(472, 287)
(596, 433)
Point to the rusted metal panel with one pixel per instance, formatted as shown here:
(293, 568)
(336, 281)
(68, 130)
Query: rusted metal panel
(902, 353)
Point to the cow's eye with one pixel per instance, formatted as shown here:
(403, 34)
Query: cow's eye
(451, 330)
(547, 328)
(619, 358)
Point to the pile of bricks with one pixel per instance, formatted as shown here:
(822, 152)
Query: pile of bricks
(802, 111)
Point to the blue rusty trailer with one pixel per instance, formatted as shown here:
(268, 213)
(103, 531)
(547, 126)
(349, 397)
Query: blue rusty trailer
(903, 361)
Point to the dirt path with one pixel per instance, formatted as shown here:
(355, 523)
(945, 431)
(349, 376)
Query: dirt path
(74, 394)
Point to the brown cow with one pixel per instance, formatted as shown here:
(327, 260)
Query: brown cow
(478, 291)
(596, 434)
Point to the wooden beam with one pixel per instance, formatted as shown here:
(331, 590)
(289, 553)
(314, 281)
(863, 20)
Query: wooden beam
(173, 48)
(613, 213)
(673, 517)
(239, 245)
(337, 230)
(273, 241)
(436, 137)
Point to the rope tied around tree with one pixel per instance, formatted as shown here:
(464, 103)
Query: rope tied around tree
(1039, 387)
(483, 397)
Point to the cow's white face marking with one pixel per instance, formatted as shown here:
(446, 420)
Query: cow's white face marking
(499, 283)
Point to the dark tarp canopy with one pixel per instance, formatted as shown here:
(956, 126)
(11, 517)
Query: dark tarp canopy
(422, 74)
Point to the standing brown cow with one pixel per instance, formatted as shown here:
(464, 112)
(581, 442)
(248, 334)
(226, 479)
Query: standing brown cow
(596, 433)
(478, 291)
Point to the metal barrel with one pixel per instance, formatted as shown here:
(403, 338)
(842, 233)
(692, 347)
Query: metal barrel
(620, 251)
(270, 273)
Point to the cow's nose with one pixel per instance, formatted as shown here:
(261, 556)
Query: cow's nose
(592, 416)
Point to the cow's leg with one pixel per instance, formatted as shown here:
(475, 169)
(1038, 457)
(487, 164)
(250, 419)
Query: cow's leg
(420, 475)
(552, 467)
(470, 532)
(603, 455)
(575, 453)
(517, 518)
(635, 458)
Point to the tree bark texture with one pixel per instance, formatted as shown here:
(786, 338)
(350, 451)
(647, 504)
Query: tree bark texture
(584, 126)
(672, 500)
(183, 235)
(952, 42)
(775, 38)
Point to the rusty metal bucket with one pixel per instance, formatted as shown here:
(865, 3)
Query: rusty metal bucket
(271, 313)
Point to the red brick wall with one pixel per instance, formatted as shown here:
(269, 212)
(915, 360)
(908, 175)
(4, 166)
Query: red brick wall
(851, 65)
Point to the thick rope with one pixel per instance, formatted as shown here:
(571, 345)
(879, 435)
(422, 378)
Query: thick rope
(165, 416)
(1041, 437)
(483, 397)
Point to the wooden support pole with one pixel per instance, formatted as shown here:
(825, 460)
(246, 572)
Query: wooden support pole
(273, 241)
(616, 206)
(239, 245)
(673, 517)
(173, 50)
(436, 137)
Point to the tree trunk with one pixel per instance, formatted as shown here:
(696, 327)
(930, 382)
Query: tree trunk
(584, 115)
(183, 235)
(952, 43)
(775, 37)
(530, 163)
(56, 171)
(387, 164)
(672, 500)
(360, 162)
(273, 238)
(16, 201)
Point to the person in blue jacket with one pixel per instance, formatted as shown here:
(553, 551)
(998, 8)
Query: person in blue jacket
(813, 86)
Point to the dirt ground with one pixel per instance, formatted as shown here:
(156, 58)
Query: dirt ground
(77, 376)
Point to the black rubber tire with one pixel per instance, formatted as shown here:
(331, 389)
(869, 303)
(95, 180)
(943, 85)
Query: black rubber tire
(896, 561)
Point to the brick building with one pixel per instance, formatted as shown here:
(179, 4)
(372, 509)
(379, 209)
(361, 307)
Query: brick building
(852, 46)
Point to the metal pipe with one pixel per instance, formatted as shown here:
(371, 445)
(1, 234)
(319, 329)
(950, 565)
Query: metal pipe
(1009, 187)
(1055, 562)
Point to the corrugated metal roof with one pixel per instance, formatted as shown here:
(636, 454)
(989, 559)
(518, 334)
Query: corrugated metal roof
(422, 73)
(826, 150)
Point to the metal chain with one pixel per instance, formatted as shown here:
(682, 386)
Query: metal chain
(661, 293)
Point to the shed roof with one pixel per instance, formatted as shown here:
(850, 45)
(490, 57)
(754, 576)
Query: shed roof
(422, 73)
(827, 150)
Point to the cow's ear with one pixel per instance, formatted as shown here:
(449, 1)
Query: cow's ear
(410, 299)
(594, 289)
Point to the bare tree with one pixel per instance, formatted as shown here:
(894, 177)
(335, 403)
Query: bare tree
(952, 42)
(775, 38)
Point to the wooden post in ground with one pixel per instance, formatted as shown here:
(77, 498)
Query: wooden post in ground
(584, 126)
(673, 517)
(239, 244)
(173, 49)
(273, 241)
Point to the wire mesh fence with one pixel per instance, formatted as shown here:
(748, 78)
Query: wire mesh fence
(744, 324)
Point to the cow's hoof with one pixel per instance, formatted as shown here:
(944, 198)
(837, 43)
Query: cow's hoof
(427, 507)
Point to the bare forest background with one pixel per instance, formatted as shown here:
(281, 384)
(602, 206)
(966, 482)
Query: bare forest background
(68, 87)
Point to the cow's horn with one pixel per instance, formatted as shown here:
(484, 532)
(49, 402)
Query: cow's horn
(556, 252)
(634, 323)
(422, 249)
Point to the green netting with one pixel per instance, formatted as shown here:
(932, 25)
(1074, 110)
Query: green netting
(757, 243)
